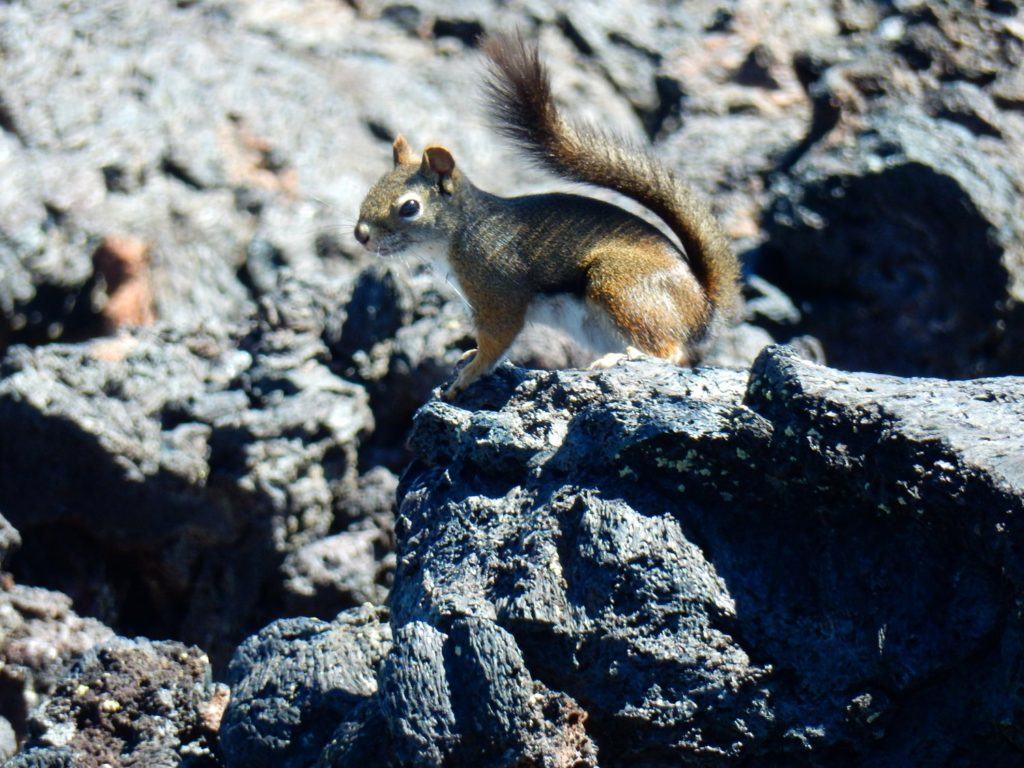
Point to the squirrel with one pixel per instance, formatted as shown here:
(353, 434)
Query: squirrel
(512, 256)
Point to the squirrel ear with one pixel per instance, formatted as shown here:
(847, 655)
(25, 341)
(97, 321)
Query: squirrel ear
(401, 152)
(439, 161)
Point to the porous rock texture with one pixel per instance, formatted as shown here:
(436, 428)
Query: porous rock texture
(185, 467)
(650, 566)
(130, 703)
(165, 161)
(896, 224)
(39, 635)
(297, 681)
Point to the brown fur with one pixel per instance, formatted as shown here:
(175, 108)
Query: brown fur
(620, 264)
(523, 109)
(506, 252)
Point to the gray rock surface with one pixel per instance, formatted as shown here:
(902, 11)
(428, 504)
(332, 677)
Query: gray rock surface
(10, 540)
(791, 566)
(296, 682)
(337, 572)
(896, 225)
(207, 133)
(172, 124)
(647, 566)
(168, 475)
(8, 740)
(908, 235)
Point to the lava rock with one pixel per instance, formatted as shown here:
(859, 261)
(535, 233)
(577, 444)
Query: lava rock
(784, 566)
(131, 703)
(615, 526)
(402, 334)
(44, 757)
(380, 304)
(873, 238)
(117, 128)
(39, 635)
(338, 572)
(162, 478)
(909, 173)
(10, 540)
(352, 567)
(295, 682)
(8, 740)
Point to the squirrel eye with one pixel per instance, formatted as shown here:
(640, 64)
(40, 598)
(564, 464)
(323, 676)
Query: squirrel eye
(409, 209)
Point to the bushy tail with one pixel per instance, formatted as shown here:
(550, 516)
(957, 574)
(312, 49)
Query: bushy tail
(521, 107)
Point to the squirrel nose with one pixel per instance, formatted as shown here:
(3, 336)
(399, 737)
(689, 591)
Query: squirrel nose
(363, 232)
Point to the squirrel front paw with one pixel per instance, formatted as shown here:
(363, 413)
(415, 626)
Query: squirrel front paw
(467, 376)
(452, 391)
(464, 379)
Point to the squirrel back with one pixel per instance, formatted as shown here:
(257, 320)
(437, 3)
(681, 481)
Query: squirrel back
(522, 108)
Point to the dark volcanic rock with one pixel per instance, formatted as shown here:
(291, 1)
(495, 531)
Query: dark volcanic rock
(616, 527)
(648, 565)
(354, 566)
(8, 740)
(904, 249)
(399, 336)
(160, 479)
(167, 124)
(338, 572)
(643, 566)
(10, 540)
(306, 692)
(607, 599)
(463, 695)
(895, 224)
(295, 682)
(130, 703)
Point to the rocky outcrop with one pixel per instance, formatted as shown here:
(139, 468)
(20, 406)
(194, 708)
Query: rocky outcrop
(896, 224)
(160, 479)
(116, 130)
(896, 218)
(800, 566)
(841, 121)
(39, 635)
(298, 681)
(350, 568)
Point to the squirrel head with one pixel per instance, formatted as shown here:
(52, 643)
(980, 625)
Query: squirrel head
(412, 203)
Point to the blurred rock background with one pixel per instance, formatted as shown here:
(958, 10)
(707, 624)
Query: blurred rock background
(206, 385)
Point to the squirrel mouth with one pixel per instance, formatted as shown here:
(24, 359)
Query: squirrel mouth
(389, 248)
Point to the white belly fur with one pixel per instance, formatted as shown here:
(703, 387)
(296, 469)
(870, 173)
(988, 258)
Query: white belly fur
(588, 325)
(585, 324)
(434, 251)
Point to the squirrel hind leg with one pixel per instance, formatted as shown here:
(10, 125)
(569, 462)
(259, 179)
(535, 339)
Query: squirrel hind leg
(655, 302)
(680, 355)
(614, 358)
